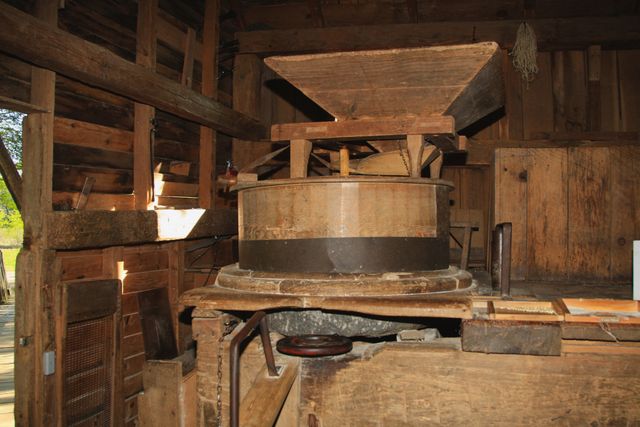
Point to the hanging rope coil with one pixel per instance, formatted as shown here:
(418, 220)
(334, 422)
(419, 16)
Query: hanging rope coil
(525, 52)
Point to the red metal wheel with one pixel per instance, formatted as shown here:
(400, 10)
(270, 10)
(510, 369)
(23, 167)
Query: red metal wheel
(314, 345)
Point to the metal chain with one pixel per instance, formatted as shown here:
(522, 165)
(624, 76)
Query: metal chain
(229, 325)
(406, 166)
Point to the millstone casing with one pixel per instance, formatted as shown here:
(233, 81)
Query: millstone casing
(344, 225)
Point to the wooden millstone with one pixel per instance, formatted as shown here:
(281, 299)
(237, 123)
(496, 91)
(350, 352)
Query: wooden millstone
(318, 284)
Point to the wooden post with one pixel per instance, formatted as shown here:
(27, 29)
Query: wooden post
(344, 161)
(144, 114)
(300, 151)
(207, 178)
(36, 402)
(247, 85)
(415, 147)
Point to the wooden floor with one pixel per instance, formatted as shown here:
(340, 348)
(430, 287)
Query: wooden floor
(7, 328)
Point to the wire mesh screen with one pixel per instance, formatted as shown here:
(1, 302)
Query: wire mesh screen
(88, 365)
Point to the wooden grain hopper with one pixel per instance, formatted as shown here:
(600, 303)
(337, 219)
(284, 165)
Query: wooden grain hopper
(463, 81)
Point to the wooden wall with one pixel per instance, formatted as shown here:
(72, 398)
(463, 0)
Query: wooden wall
(575, 209)
(93, 131)
(174, 266)
(470, 201)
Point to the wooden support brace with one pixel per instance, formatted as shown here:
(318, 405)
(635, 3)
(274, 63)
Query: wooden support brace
(300, 152)
(415, 147)
(144, 115)
(189, 53)
(344, 161)
(84, 194)
(466, 247)
(256, 410)
(10, 174)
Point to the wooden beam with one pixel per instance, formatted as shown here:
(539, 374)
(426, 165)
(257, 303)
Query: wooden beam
(300, 152)
(10, 174)
(561, 140)
(144, 115)
(95, 229)
(17, 105)
(25, 37)
(552, 34)
(365, 128)
(207, 178)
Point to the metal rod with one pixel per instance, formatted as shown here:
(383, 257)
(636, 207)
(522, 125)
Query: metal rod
(505, 273)
(496, 258)
(258, 319)
(266, 345)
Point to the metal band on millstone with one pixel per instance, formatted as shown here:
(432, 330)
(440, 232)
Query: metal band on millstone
(345, 255)
(344, 225)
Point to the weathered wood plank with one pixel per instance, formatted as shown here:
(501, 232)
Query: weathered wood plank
(589, 211)
(33, 41)
(629, 81)
(547, 217)
(255, 410)
(537, 99)
(87, 229)
(430, 384)
(625, 199)
(513, 99)
(300, 151)
(511, 175)
(358, 129)
(509, 337)
(609, 91)
(551, 34)
(247, 86)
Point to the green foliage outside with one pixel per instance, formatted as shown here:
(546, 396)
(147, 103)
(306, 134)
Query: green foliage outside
(9, 257)
(10, 220)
